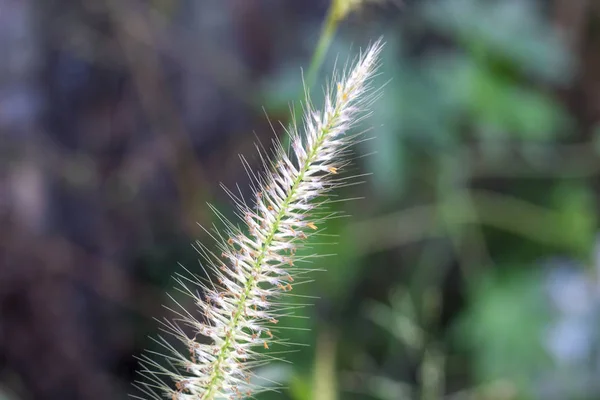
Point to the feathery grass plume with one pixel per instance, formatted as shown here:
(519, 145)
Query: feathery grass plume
(256, 270)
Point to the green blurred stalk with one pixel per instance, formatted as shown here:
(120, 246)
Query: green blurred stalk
(324, 385)
(328, 29)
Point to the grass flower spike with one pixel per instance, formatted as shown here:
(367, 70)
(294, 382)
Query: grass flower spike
(255, 267)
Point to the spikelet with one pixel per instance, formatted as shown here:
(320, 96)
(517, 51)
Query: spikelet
(255, 270)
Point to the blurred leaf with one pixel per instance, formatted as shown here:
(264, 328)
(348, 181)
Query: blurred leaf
(504, 328)
(300, 388)
(398, 324)
(339, 264)
(577, 212)
(513, 29)
(384, 388)
(282, 89)
(5, 394)
(388, 162)
(273, 375)
(497, 105)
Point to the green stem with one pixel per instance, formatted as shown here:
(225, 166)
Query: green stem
(328, 30)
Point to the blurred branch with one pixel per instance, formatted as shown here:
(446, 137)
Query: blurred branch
(555, 161)
(145, 69)
(224, 68)
(330, 25)
(570, 16)
(324, 377)
(108, 281)
(431, 374)
(496, 210)
(394, 229)
(328, 30)
(518, 216)
(455, 199)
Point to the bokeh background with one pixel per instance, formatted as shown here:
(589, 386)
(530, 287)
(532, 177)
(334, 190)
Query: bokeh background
(470, 268)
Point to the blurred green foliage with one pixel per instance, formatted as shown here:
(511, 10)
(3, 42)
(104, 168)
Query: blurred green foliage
(469, 131)
(479, 171)
(504, 327)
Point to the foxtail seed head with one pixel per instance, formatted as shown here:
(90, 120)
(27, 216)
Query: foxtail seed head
(256, 267)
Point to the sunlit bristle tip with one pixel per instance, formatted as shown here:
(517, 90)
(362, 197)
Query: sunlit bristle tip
(231, 332)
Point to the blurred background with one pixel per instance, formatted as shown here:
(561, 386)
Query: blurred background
(469, 270)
